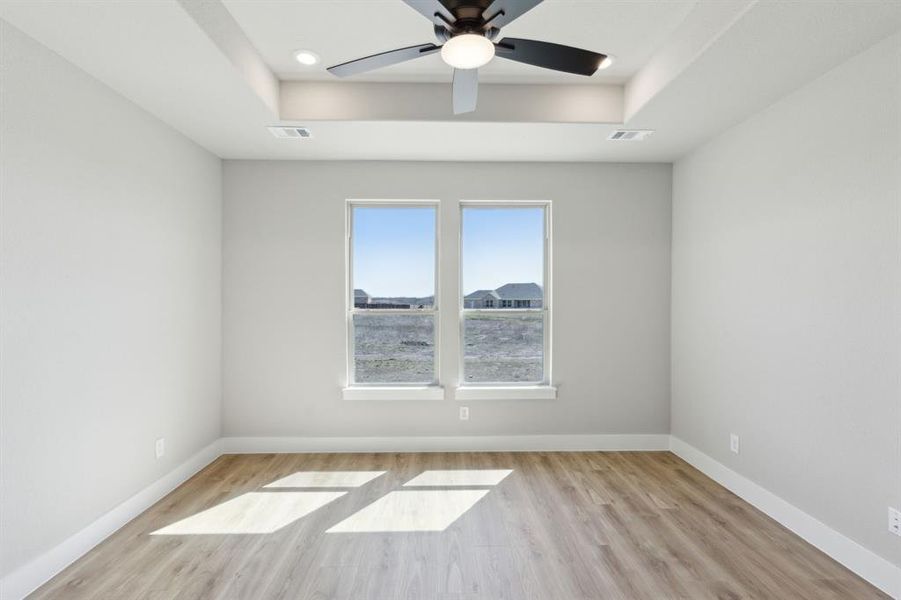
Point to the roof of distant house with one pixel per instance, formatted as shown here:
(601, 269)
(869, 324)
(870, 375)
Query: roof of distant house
(480, 294)
(358, 292)
(520, 291)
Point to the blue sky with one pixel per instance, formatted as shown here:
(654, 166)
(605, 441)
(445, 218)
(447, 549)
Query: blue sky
(393, 249)
(502, 245)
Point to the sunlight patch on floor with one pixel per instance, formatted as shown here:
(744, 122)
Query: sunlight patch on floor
(251, 513)
(325, 479)
(411, 510)
(474, 477)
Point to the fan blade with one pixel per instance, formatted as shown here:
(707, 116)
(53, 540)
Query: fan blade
(384, 59)
(550, 56)
(466, 90)
(511, 9)
(430, 9)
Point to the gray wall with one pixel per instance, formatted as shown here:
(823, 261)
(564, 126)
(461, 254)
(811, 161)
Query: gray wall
(110, 268)
(786, 296)
(283, 297)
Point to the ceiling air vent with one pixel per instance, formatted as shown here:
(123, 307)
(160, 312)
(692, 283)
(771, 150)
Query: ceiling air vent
(629, 135)
(290, 133)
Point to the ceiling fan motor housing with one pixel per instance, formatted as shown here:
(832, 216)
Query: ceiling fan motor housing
(468, 18)
(444, 34)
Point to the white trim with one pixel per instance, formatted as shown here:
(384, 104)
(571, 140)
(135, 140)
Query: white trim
(526, 392)
(394, 311)
(425, 392)
(865, 563)
(36, 573)
(473, 443)
(407, 202)
(512, 203)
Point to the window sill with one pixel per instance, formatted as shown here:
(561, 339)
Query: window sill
(531, 392)
(425, 392)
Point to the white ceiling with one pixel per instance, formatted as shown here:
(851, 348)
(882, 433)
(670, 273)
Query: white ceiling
(342, 30)
(691, 69)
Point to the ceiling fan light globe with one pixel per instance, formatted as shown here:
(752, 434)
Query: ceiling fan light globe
(467, 51)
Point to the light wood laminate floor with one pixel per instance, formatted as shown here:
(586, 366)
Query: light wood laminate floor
(462, 526)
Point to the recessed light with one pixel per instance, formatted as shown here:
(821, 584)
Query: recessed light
(607, 62)
(306, 58)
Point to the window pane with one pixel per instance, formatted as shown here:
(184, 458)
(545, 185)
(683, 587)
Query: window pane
(393, 267)
(503, 348)
(394, 348)
(503, 269)
(393, 257)
(503, 257)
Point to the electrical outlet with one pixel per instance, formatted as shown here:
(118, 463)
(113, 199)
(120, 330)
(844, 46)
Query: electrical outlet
(160, 447)
(464, 413)
(734, 443)
(894, 520)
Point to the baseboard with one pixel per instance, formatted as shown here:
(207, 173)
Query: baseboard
(865, 563)
(475, 443)
(32, 575)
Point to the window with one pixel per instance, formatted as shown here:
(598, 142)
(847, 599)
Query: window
(392, 313)
(504, 253)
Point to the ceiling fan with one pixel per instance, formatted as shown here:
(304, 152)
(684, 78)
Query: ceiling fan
(467, 29)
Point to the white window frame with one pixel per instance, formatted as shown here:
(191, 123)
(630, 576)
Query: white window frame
(391, 390)
(541, 390)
